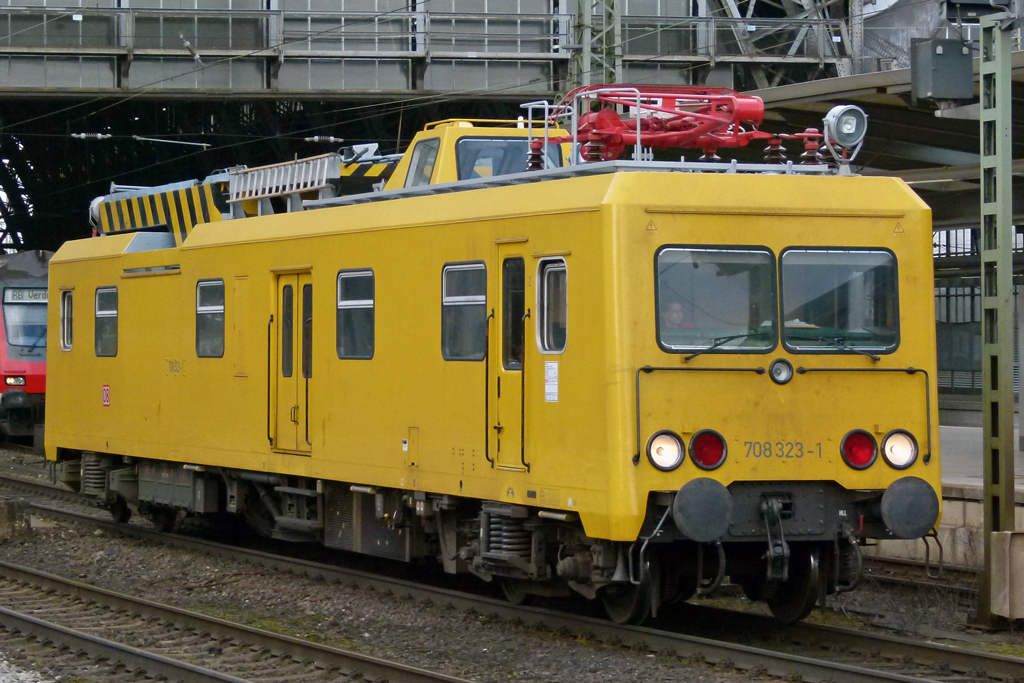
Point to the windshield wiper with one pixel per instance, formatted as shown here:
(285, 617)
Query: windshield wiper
(840, 344)
(718, 341)
(40, 338)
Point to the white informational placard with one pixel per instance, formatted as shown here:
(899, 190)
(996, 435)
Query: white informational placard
(551, 381)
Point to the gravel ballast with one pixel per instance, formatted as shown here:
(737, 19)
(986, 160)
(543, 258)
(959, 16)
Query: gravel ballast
(433, 637)
(456, 643)
(9, 673)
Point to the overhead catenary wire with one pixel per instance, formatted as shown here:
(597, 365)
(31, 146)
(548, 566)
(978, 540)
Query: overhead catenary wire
(379, 108)
(201, 66)
(395, 105)
(398, 105)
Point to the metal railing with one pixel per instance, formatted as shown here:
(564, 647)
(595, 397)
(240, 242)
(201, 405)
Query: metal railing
(964, 242)
(370, 34)
(958, 339)
(722, 38)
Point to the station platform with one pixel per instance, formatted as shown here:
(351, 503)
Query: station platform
(961, 457)
(961, 528)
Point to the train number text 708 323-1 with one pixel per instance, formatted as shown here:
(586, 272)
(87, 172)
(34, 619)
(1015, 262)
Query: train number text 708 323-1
(781, 449)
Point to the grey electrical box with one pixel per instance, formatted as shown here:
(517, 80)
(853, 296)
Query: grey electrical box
(971, 11)
(941, 69)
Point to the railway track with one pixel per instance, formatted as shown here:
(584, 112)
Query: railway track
(745, 641)
(87, 657)
(26, 649)
(955, 579)
(174, 643)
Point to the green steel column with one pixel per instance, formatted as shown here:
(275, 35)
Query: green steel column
(612, 47)
(583, 38)
(996, 295)
(597, 38)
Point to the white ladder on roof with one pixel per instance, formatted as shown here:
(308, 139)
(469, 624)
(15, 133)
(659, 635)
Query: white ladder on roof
(287, 178)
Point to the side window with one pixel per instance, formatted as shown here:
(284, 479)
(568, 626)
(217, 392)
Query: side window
(307, 332)
(421, 167)
(287, 320)
(210, 319)
(513, 308)
(66, 320)
(552, 302)
(355, 314)
(464, 312)
(106, 321)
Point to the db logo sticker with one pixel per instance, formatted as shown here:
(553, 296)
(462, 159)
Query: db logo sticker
(106, 395)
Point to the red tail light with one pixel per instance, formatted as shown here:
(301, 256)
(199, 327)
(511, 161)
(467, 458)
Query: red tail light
(707, 449)
(859, 449)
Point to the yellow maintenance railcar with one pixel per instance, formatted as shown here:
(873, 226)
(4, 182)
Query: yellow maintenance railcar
(528, 360)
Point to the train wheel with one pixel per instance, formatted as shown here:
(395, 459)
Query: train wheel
(626, 603)
(513, 591)
(794, 599)
(163, 518)
(755, 586)
(679, 578)
(120, 511)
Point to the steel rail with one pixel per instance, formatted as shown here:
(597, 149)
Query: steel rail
(879, 644)
(913, 573)
(714, 651)
(155, 665)
(301, 650)
(918, 567)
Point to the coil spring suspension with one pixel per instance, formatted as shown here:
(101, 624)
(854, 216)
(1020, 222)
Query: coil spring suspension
(94, 474)
(509, 536)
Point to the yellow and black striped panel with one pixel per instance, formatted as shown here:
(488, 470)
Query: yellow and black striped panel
(368, 170)
(177, 210)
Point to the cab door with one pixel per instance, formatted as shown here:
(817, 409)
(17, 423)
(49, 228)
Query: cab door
(508, 348)
(294, 369)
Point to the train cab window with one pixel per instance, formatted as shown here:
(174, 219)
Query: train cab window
(106, 321)
(488, 157)
(66, 320)
(24, 312)
(210, 319)
(839, 300)
(464, 311)
(421, 167)
(716, 299)
(355, 328)
(552, 303)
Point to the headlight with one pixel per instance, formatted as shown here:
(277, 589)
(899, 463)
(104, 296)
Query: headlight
(15, 381)
(665, 450)
(780, 371)
(846, 125)
(899, 448)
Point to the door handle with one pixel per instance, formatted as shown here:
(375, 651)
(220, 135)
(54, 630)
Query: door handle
(295, 414)
(498, 427)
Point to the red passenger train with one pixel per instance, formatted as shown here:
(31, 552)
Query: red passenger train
(23, 350)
